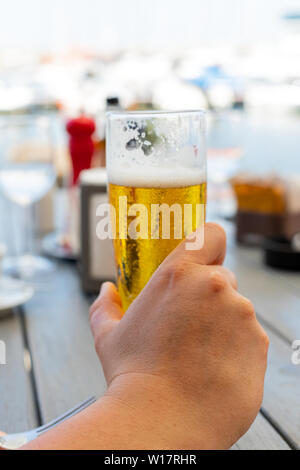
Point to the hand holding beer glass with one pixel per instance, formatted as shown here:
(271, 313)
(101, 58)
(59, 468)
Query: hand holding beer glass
(156, 164)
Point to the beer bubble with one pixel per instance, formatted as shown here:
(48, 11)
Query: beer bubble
(132, 144)
(132, 125)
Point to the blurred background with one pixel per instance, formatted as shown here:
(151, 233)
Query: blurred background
(67, 55)
(62, 59)
(220, 55)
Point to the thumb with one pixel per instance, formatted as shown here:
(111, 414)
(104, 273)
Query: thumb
(212, 250)
(106, 312)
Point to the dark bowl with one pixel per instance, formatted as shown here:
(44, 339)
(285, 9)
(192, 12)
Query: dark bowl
(279, 253)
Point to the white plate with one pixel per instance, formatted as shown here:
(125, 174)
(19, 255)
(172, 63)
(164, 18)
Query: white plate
(13, 293)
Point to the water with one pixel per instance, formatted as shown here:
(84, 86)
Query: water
(25, 184)
(269, 141)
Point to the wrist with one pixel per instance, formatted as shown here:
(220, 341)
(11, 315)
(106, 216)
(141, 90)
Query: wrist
(161, 418)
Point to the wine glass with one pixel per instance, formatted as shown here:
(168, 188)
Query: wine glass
(26, 175)
(13, 292)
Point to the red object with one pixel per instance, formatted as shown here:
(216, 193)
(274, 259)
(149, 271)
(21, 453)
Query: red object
(81, 145)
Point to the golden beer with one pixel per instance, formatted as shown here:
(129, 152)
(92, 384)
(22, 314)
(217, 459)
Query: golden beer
(137, 258)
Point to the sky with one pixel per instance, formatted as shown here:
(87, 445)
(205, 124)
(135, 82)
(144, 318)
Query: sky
(51, 25)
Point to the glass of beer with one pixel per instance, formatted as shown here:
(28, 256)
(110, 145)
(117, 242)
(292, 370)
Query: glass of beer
(156, 164)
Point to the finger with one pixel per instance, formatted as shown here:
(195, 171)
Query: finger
(114, 295)
(213, 248)
(221, 273)
(2, 434)
(106, 311)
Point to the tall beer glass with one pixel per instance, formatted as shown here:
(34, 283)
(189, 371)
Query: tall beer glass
(156, 163)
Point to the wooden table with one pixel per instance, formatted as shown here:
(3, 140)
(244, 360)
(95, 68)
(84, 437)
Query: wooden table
(52, 364)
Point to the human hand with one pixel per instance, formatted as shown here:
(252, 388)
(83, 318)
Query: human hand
(189, 353)
(2, 434)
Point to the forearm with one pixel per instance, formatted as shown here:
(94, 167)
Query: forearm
(104, 425)
(108, 424)
(127, 417)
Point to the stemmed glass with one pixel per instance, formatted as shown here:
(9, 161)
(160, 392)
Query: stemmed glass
(26, 175)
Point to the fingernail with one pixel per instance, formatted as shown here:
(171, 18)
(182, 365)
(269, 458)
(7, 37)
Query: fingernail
(104, 288)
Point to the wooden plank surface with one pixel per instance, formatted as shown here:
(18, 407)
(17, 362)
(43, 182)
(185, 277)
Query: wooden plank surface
(17, 407)
(275, 293)
(282, 389)
(66, 367)
(277, 302)
(275, 299)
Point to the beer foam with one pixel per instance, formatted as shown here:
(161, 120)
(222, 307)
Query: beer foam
(156, 176)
